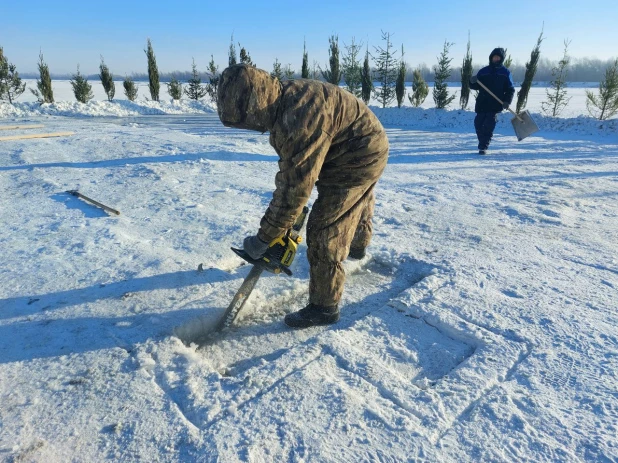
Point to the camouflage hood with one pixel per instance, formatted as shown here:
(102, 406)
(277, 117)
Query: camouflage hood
(248, 98)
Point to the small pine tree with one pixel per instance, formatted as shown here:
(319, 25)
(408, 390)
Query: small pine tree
(443, 71)
(315, 71)
(4, 74)
(81, 88)
(277, 71)
(231, 59)
(333, 74)
(130, 89)
(466, 73)
(304, 73)
(213, 79)
(508, 60)
(195, 90)
(386, 72)
(174, 88)
(153, 72)
(107, 79)
(420, 89)
(531, 67)
(245, 58)
(11, 85)
(557, 98)
(44, 92)
(352, 68)
(366, 80)
(288, 72)
(400, 86)
(606, 104)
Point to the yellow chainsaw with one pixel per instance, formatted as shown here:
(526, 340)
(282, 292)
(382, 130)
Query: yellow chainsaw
(277, 259)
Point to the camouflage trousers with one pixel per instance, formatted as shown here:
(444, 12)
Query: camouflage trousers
(340, 218)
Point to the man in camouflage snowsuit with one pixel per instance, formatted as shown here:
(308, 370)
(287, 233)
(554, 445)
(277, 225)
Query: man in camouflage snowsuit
(324, 136)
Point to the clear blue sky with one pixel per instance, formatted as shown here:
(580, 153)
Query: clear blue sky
(71, 32)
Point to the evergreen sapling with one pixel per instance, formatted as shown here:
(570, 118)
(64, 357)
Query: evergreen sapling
(213, 79)
(107, 80)
(531, 68)
(400, 86)
(244, 57)
(557, 98)
(153, 72)
(420, 89)
(605, 105)
(352, 69)
(130, 89)
(366, 79)
(81, 88)
(11, 85)
(277, 72)
(231, 54)
(304, 73)
(174, 88)
(195, 90)
(333, 74)
(288, 72)
(386, 72)
(466, 74)
(44, 92)
(442, 72)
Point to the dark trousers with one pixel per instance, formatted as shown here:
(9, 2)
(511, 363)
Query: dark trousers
(485, 123)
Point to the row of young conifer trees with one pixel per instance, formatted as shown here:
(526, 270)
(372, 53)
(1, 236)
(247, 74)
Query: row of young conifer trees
(388, 70)
(12, 85)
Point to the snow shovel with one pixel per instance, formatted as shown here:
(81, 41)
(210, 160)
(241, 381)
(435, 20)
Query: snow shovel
(523, 123)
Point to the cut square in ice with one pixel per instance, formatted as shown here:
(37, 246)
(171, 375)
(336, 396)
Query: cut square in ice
(410, 366)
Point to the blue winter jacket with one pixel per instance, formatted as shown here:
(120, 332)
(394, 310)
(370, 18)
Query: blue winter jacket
(496, 78)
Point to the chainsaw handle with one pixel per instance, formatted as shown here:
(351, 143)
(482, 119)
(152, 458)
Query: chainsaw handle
(498, 99)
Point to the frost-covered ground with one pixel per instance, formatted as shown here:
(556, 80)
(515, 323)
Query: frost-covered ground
(483, 327)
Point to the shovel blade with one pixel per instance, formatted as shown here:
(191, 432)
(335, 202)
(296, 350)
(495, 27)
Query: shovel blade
(524, 125)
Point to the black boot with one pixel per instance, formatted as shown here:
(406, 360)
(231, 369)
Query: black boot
(312, 315)
(356, 253)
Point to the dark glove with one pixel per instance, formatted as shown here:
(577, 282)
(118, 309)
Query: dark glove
(474, 79)
(505, 105)
(254, 246)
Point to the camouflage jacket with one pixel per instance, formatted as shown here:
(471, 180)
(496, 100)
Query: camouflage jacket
(321, 133)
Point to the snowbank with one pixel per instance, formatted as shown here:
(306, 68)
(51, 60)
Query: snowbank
(415, 118)
(117, 108)
(435, 119)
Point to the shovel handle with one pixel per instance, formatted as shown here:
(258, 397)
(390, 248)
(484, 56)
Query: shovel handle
(498, 99)
(90, 200)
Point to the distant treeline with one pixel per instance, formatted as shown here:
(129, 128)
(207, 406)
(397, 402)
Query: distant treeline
(580, 70)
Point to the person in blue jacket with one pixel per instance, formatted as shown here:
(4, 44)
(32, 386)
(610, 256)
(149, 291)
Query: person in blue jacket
(498, 79)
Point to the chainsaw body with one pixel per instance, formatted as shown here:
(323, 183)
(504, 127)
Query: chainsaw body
(281, 251)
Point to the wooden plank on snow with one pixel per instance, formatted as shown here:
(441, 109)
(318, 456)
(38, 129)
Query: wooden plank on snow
(37, 135)
(20, 127)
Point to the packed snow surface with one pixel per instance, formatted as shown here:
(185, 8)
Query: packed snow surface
(482, 326)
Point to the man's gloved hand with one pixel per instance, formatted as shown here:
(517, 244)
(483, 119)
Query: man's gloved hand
(505, 105)
(474, 79)
(254, 246)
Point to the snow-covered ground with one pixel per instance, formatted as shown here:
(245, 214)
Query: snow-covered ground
(483, 327)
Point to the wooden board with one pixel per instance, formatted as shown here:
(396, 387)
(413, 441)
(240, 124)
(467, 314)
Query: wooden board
(20, 127)
(37, 135)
